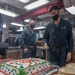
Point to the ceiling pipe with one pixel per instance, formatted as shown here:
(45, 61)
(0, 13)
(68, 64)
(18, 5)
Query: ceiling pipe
(39, 11)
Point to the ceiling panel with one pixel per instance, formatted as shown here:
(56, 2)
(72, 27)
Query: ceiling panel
(16, 3)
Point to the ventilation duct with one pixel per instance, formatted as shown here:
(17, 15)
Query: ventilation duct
(68, 3)
(70, 6)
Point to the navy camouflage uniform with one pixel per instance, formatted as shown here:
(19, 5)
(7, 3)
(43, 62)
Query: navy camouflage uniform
(60, 41)
(28, 40)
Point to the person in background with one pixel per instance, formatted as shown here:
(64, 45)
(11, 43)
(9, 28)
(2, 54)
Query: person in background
(2, 51)
(58, 38)
(28, 41)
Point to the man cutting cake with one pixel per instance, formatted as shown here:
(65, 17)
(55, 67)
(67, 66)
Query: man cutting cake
(58, 38)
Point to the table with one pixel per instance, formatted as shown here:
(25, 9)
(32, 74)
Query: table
(4, 60)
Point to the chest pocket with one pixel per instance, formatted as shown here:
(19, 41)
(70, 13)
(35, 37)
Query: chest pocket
(63, 32)
(31, 37)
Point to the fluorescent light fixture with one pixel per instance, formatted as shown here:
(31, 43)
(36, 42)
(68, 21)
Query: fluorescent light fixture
(8, 13)
(27, 20)
(16, 24)
(4, 25)
(24, 1)
(21, 29)
(71, 10)
(41, 27)
(36, 4)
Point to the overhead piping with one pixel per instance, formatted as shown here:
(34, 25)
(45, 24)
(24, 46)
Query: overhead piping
(39, 11)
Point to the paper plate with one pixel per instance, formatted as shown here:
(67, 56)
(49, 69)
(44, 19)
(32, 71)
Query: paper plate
(59, 74)
(67, 71)
(71, 65)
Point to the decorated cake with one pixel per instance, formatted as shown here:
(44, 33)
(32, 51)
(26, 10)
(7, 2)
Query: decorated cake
(29, 66)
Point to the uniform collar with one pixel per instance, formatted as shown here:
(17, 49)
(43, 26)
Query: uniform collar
(60, 23)
(30, 30)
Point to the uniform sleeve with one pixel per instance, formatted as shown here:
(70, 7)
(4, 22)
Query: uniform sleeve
(70, 38)
(46, 35)
(22, 39)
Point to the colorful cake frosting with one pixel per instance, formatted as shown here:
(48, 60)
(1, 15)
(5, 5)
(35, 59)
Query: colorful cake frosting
(29, 66)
